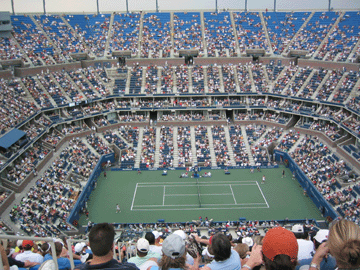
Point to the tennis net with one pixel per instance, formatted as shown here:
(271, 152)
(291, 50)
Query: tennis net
(198, 189)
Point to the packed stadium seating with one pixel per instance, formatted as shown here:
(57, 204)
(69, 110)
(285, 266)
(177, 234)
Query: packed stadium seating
(237, 108)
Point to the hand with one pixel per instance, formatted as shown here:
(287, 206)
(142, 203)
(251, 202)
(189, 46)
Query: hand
(197, 238)
(255, 256)
(321, 253)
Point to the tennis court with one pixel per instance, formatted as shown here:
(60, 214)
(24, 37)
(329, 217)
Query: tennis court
(179, 196)
(149, 196)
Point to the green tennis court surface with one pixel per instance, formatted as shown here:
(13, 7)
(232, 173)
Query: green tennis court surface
(150, 196)
(155, 196)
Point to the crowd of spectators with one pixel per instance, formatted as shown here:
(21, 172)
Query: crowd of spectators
(45, 208)
(342, 39)
(202, 146)
(229, 82)
(282, 27)
(166, 147)
(323, 168)
(213, 79)
(273, 135)
(250, 32)
(182, 79)
(220, 146)
(148, 148)
(237, 142)
(61, 36)
(133, 118)
(288, 140)
(33, 42)
(93, 30)
(353, 124)
(125, 32)
(187, 31)
(26, 163)
(98, 144)
(9, 49)
(331, 130)
(310, 37)
(259, 79)
(219, 34)
(74, 128)
(184, 146)
(23, 97)
(329, 85)
(243, 78)
(151, 80)
(53, 137)
(283, 79)
(156, 38)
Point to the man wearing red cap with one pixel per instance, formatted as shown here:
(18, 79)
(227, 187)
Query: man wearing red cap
(28, 255)
(280, 249)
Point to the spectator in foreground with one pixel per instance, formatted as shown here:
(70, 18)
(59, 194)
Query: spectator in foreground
(224, 256)
(280, 249)
(327, 263)
(174, 254)
(143, 253)
(12, 262)
(306, 246)
(63, 263)
(101, 241)
(28, 255)
(343, 244)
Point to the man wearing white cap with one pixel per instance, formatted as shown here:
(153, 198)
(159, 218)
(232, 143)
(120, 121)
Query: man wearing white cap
(327, 263)
(143, 253)
(306, 247)
(184, 236)
(80, 249)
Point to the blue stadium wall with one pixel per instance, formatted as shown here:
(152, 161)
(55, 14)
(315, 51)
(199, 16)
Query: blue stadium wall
(85, 194)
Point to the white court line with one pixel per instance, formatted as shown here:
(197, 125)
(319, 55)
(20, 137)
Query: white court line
(185, 183)
(262, 194)
(233, 194)
(207, 194)
(207, 204)
(132, 204)
(198, 208)
(200, 184)
(164, 195)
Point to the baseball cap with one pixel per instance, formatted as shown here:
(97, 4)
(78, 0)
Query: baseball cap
(279, 241)
(27, 243)
(173, 246)
(59, 240)
(297, 228)
(322, 235)
(248, 241)
(19, 243)
(79, 247)
(143, 245)
(156, 234)
(181, 233)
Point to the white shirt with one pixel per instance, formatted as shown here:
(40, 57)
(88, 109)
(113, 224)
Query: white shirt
(306, 249)
(29, 256)
(156, 249)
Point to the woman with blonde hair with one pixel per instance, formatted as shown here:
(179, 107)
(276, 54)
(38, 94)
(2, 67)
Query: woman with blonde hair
(343, 244)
